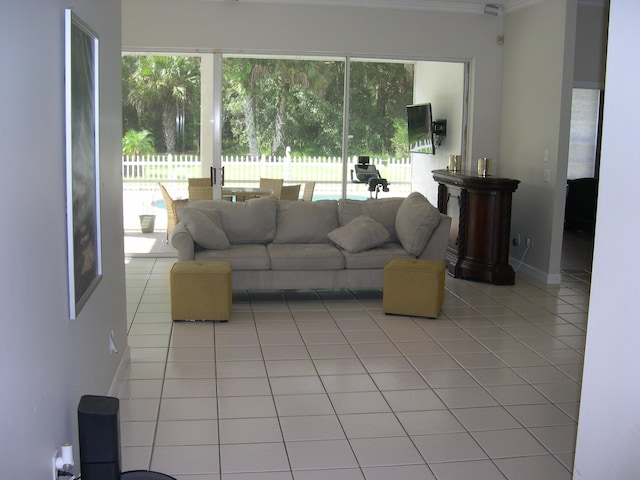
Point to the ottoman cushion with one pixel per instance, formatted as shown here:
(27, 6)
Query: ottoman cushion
(201, 290)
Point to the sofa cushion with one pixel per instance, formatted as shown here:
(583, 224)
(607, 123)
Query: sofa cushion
(381, 210)
(305, 256)
(241, 257)
(205, 227)
(375, 257)
(361, 233)
(253, 221)
(415, 222)
(305, 222)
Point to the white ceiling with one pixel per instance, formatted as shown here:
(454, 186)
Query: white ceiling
(464, 6)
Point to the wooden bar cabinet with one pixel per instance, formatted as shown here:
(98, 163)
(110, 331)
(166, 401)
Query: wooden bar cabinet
(480, 208)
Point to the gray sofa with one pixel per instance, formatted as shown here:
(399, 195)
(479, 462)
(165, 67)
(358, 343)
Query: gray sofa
(326, 244)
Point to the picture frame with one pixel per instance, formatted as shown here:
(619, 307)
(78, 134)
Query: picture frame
(84, 249)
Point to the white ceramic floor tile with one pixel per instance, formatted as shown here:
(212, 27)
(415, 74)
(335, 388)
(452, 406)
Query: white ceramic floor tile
(246, 407)
(359, 402)
(190, 459)
(296, 385)
(485, 418)
(533, 468)
(355, 393)
(430, 422)
(189, 387)
(250, 430)
(539, 415)
(293, 405)
(368, 425)
(413, 400)
(375, 452)
(313, 427)
(557, 439)
(253, 457)
(476, 470)
(188, 409)
(239, 387)
(290, 368)
(137, 434)
(465, 397)
(320, 454)
(348, 383)
(508, 443)
(399, 381)
(448, 447)
(187, 432)
(404, 472)
(516, 394)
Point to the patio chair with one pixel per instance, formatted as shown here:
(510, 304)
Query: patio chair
(290, 192)
(307, 194)
(172, 207)
(274, 184)
(200, 189)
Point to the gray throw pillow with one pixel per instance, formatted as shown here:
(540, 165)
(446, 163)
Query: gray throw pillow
(382, 210)
(205, 228)
(361, 233)
(415, 222)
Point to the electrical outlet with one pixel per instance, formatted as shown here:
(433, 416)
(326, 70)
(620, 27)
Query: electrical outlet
(516, 240)
(529, 242)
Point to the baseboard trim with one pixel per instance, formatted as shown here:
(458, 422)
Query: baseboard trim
(124, 362)
(544, 277)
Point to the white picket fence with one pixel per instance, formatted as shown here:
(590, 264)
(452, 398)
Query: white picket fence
(141, 174)
(242, 169)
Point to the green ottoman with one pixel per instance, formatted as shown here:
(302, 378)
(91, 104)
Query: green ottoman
(413, 287)
(201, 290)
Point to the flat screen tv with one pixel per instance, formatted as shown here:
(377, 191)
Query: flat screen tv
(420, 127)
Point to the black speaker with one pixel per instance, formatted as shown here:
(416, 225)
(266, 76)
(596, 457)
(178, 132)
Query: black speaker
(99, 437)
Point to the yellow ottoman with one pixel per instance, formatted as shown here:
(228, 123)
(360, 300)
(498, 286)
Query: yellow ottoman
(201, 290)
(413, 287)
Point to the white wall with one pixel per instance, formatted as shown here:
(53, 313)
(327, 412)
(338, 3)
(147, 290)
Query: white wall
(441, 84)
(609, 428)
(536, 105)
(47, 362)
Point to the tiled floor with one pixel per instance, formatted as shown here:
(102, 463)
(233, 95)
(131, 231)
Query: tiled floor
(322, 385)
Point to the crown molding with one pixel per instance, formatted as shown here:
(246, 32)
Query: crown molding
(453, 6)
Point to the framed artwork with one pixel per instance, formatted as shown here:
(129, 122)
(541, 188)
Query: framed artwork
(82, 161)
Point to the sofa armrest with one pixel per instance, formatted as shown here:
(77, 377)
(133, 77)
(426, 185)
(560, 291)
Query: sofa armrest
(182, 241)
(436, 247)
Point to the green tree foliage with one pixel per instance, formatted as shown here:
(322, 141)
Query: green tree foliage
(273, 103)
(136, 143)
(162, 94)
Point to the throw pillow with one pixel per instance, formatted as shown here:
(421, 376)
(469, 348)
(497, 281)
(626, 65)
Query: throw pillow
(361, 233)
(382, 210)
(204, 226)
(415, 222)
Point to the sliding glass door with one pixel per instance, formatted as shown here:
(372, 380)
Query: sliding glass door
(285, 117)
(282, 118)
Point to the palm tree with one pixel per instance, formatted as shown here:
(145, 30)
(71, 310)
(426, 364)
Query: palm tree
(136, 143)
(169, 81)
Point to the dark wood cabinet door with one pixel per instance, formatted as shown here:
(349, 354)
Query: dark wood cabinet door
(480, 208)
